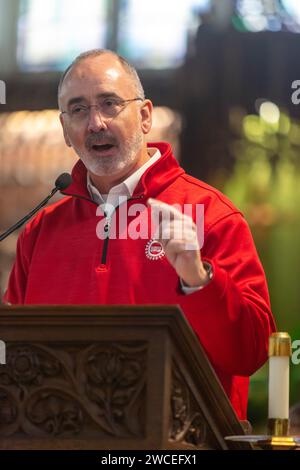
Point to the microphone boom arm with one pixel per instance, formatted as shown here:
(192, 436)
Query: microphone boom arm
(28, 216)
(61, 183)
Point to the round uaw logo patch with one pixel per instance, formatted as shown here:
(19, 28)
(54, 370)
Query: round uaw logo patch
(154, 250)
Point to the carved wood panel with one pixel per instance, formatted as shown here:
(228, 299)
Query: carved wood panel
(63, 390)
(188, 424)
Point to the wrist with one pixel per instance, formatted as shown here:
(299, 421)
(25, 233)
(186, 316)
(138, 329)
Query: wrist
(203, 278)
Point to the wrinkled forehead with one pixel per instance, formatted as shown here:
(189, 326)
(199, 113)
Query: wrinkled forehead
(93, 76)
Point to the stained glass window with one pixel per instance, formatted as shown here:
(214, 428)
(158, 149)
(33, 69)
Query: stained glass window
(51, 33)
(267, 15)
(149, 34)
(154, 34)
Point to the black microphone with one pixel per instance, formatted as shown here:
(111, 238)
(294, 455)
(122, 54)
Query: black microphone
(62, 182)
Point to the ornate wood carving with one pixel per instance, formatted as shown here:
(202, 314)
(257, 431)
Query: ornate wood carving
(63, 390)
(108, 377)
(187, 422)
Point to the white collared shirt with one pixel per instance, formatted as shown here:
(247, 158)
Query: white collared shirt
(111, 200)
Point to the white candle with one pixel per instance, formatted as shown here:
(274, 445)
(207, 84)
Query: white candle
(279, 387)
(279, 369)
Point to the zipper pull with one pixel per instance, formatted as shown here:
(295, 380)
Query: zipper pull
(107, 225)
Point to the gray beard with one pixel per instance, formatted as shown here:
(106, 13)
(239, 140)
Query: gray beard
(110, 165)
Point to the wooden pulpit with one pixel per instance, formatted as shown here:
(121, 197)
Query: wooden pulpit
(109, 377)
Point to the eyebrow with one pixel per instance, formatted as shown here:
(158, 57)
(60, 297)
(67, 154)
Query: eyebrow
(80, 99)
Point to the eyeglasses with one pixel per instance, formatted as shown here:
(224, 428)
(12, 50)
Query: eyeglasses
(108, 108)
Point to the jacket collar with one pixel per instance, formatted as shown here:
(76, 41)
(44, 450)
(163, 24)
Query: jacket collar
(155, 179)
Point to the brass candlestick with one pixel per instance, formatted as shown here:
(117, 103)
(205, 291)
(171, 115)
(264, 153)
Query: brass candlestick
(278, 428)
(266, 442)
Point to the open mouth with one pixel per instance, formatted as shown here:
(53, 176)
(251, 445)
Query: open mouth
(99, 147)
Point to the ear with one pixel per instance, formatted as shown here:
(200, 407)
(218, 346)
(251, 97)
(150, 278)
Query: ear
(66, 137)
(146, 116)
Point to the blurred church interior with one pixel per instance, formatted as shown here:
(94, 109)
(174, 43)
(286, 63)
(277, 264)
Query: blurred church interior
(220, 74)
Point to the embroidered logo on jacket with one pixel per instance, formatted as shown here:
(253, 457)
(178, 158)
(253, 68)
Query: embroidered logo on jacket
(154, 250)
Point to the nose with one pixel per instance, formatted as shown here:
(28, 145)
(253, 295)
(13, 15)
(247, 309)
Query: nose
(96, 121)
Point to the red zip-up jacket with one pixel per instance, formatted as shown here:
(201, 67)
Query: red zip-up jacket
(60, 260)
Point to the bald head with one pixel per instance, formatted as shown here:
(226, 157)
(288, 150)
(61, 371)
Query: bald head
(106, 57)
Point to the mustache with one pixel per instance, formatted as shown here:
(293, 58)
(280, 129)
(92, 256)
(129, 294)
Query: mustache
(99, 138)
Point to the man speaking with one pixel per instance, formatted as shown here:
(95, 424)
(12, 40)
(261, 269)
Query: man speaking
(81, 251)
